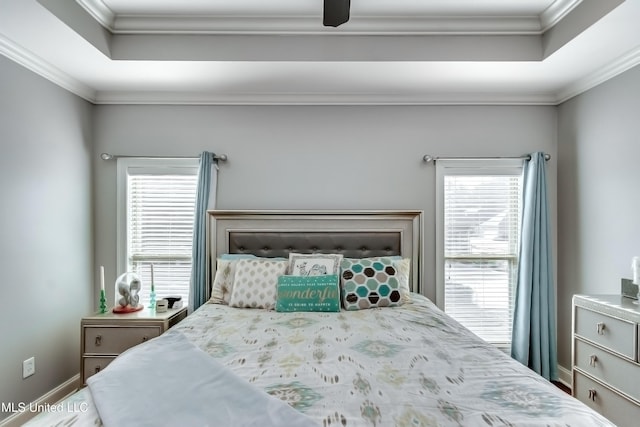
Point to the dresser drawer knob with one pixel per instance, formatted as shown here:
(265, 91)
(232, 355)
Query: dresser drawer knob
(600, 328)
(98, 340)
(592, 360)
(592, 394)
(144, 338)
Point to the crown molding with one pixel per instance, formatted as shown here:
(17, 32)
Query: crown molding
(216, 24)
(100, 12)
(370, 25)
(611, 70)
(555, 12)
(32, 62)
(364, 99)
(404, 25)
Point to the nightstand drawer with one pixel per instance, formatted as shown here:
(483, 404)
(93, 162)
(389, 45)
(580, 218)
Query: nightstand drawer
(622, 412)
(615, 334)
(619, 373)
(93, 365)
(115, 340)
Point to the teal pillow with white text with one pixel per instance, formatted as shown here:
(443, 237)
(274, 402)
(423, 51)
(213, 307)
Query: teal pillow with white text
(308, 293)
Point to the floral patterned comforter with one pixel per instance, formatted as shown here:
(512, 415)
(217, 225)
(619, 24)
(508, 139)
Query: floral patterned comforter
(404, 366)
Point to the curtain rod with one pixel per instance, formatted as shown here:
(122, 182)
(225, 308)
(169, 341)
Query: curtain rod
(428, 158)
(107, 156)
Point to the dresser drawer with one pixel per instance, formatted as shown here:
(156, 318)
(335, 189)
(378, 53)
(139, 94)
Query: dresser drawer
(622, 412)
(615, 334)
(93, 365)
(615, 371)
(115, 340)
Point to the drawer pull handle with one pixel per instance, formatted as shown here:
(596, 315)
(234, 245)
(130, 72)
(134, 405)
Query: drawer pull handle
(592, 394)
(592, 360)
(97, 369)
(600, 328)
(98, 340)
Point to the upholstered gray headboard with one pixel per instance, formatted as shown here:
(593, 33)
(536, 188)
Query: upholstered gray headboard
(355, 234)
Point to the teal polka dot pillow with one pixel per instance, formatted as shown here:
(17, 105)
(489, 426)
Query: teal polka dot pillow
(369, 283)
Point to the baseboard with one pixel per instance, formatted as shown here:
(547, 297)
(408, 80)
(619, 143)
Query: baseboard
(564, 375)
(50, 398)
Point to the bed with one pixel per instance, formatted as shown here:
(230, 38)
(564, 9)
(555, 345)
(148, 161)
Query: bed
(398, 365)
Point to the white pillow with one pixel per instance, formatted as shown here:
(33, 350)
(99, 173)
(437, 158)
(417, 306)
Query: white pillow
(255, 283)
(403, 270)
(223, 281)
(314, 264)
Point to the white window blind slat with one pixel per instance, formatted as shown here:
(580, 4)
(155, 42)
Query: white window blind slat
(481, 231)
(160, 211)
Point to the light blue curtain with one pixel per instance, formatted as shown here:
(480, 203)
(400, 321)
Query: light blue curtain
(534, 319)
(207, 183)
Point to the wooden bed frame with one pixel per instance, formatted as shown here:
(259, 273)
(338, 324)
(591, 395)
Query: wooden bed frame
(355, 234)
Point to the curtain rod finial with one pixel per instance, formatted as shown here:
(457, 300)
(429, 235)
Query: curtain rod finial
(221, 157)
(427, 158)
(106, 156)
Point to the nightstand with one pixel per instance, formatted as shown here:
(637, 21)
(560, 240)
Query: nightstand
(105, 336)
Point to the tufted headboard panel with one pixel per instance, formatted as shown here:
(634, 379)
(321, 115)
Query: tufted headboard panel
(350, 244)
(355, 234)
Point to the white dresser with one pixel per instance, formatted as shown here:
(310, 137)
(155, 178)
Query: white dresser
(606, 351)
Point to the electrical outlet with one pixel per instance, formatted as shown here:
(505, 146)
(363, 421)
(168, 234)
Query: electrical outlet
(28, 367)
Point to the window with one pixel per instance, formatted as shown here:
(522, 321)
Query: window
(156, 203)
(478, 217)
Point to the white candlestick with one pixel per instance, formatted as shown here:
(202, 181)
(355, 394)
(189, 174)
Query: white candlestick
(102, 278)
(152, 281)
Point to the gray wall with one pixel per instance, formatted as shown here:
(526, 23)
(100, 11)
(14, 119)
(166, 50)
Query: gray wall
(46, 234)
(598, 202)
(316, 157)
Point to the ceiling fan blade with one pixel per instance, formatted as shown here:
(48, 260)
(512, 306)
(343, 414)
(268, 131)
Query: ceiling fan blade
(336, 12)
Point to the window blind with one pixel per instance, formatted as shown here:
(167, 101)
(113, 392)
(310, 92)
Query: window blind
(160, 212)
(481, 231)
